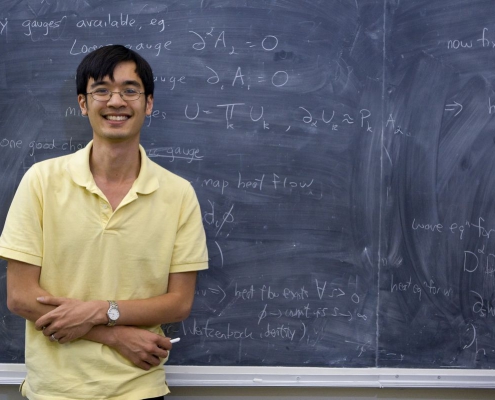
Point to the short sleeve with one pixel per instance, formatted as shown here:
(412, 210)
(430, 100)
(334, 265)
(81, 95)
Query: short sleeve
(22, 236)
(190, 252)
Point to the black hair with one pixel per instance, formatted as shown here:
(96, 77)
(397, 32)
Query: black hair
(102, 62)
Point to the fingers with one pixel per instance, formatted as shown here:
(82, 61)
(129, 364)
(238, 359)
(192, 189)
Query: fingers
(154, 350)
(39, 325)
(149, 361)
(43, 322)
(142, 364)
(54, 336)
(51, 336)
(57, 337)
(163, 342)
(152, 360)
(161, 353)
(45, 330)
(145, 360)
(49, 316)
(143, 348)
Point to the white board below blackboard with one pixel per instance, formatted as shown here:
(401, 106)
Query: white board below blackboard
(305, 377)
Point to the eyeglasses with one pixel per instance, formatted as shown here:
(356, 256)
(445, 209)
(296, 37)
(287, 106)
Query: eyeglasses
(106, 95)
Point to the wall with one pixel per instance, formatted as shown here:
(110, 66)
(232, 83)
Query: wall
(9, 392)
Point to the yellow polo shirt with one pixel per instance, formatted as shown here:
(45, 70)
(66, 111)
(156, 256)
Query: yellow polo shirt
(61, 221)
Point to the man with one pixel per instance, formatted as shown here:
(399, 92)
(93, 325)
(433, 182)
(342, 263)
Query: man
(103, 246)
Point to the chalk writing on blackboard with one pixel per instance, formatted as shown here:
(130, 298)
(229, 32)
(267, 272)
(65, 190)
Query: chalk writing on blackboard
(342, 157)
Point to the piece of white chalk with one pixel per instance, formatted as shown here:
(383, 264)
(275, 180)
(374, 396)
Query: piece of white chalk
(177, 339)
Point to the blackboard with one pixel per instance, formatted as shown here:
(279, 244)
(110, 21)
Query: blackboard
(342, 153)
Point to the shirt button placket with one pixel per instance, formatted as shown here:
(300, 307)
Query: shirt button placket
(105, 212)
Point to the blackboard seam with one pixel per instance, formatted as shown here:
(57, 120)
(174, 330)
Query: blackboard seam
(377, 336)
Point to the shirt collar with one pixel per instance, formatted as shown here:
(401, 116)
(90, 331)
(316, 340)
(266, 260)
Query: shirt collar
(78, 168)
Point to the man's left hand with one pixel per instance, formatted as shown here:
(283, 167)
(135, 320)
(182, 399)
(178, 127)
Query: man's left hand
(71, 319)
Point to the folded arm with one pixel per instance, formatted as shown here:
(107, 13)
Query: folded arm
(70, 319)
(173, 306)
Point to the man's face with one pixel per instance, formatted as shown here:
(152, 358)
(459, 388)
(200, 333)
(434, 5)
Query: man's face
(116, 119)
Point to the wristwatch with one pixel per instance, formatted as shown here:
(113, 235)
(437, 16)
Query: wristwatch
(113, 313)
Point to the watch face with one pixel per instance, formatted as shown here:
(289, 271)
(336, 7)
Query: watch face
(113, 314)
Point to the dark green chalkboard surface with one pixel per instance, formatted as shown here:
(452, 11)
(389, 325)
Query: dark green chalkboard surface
(343, 153)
